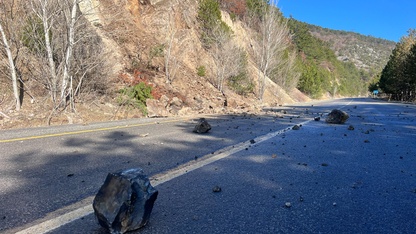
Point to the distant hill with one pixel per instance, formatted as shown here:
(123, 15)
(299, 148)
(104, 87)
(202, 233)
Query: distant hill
(365, 52)
(337, 62)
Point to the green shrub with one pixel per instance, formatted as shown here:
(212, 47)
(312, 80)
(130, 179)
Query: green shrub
(257, 8)
(233, 16)
(241, 83)
(33, 35)
(209, 15)
(136, 96)
(156, 52)
(310, 81)
(201, 71)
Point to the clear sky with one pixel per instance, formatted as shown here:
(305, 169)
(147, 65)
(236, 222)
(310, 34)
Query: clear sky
(387, 19)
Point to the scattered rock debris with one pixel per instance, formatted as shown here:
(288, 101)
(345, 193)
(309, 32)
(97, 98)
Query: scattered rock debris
(296, 127)
(357, 184)
(216, 189)
(350, 127)
(288, 204)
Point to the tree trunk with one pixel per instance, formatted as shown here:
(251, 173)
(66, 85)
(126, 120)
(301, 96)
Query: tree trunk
(12, 68)
(69, 50)
(168, 50)
(49, 50)
(271, 44)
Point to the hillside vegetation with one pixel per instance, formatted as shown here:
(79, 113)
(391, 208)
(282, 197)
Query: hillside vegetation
(79, 61)
(365, 52)
(398, 78)
(323, 72)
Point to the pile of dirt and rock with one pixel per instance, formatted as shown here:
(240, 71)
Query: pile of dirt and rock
(130, 40)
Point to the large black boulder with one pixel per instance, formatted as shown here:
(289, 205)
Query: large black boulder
(125, 201)
(337, 117)
(202, 126)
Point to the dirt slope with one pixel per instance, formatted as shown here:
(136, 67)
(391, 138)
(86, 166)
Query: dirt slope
(131, 31)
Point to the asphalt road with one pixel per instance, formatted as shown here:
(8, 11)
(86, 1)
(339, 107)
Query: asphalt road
(322, 178)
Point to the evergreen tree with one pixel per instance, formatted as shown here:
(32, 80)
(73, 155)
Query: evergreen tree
(321, 70)
(397, 77)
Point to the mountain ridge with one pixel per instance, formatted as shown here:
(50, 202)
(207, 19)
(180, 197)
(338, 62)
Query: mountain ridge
(349, 46)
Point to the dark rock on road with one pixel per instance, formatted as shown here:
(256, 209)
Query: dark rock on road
(202, 126)
(337, 117)
(125, 201)
(216, 189)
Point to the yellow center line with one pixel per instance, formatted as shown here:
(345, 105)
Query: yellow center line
(87, 131)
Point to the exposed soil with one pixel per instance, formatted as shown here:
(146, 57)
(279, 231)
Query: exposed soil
(145, 27)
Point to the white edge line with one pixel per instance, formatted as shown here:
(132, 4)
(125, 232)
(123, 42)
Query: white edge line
(59, 221)
(155, 180)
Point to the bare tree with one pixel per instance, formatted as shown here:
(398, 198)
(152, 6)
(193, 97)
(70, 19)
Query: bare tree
(73, 50)
(286, 75)
(12, 67)
(10, 19)
(47, 11)
(72, 18)
(228, 63)
(171, 62)
(226, 55)
(271, 43)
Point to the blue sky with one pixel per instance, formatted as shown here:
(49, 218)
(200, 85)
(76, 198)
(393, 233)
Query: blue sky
(387, 19)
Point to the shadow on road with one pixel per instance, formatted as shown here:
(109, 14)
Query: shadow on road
(43, 175)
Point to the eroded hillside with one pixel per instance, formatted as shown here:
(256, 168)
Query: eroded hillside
(148, 26)
(155, 58)
(172, 28)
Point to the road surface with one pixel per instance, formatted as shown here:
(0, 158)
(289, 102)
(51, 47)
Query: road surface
(322, 178)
